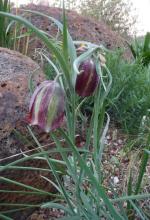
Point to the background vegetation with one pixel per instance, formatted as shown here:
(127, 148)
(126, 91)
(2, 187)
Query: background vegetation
(129, 99)
(118, 14)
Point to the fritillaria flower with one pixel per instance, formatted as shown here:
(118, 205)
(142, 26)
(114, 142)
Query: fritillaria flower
(47, 106)
(88, 79)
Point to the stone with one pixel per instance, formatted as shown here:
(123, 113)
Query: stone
(81, 28)
(15, 73)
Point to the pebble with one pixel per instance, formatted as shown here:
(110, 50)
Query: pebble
(120, 141)
(116, 180)
(115, 144)
(108, 137)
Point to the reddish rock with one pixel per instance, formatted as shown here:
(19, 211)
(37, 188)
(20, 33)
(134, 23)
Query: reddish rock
(15, 72)
(80, 28)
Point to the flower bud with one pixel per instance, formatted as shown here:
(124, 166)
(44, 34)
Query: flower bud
(102, 60)
(47, 106)
(88, 79)
(81, 49)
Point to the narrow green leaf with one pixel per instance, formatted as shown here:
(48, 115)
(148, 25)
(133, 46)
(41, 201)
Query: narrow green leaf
(102, 140)
(132, 197)
(75, 217)
(4, 217)
(22, 192)
(26, 186)
(137, 210)
(2, 168)
(14, 210)
(129, 190)
(65, 194)
(25, 168)
(20, 205)
(132, 49)
(147, 151)
(120, 204)
(53, 168)
(65, 36)
(57, 206)
(87, 206)
(64, 156)
(98, 187)
(142, 171)
(146, 46)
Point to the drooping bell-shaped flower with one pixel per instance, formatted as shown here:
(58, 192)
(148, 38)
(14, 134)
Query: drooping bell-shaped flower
(88, 79)
(47, 106)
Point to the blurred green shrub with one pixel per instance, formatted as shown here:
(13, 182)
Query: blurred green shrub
(12, 35)
(4, 21)
(141, 50)
(129, 98)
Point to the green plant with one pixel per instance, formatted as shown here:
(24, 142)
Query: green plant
(11, 34)
(87, 197)
(4, 21)
(129, 98)
(141, 50)
(115, 13)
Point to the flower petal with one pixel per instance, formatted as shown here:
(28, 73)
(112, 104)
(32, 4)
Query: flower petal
(47, 106)
(88, 78)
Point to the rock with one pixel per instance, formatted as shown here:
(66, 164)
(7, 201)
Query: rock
(15, 72)
(115, 180)
(80, 28)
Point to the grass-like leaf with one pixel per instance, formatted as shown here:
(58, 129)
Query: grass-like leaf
(98, 187)
(142, 171)
(146, 46)
(7, 180)
(4, 36)
(4, 217)
(57, 206)
(137, 210)
(65, 35)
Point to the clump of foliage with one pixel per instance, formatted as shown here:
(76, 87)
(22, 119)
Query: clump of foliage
(116, 13)
(4, 21)
(12, 36)
(129, 98)
(141, 50)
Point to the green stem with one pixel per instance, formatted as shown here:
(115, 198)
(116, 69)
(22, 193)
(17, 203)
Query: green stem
(142, 171)
(4, 217)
